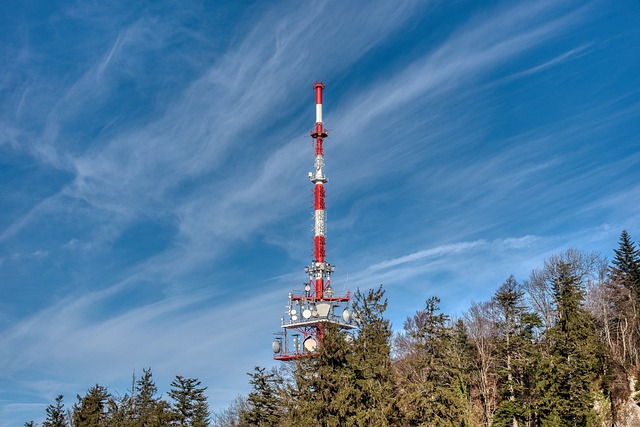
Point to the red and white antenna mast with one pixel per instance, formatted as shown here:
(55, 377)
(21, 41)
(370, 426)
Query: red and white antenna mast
(308, 311)
(319, 179)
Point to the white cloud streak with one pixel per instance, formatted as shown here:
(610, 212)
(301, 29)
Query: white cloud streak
(211, 165)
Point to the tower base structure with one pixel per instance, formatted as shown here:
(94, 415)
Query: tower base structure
(305, 319)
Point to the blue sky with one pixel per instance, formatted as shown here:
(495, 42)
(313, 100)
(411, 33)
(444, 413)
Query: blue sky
(156, 208)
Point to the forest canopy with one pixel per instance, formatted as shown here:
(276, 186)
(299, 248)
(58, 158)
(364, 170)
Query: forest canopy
(561, 348)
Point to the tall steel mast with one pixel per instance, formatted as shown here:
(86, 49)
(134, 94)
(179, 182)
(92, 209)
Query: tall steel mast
(309, 310)
(319, 179)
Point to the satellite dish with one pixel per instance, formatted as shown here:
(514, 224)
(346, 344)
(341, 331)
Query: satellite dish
(323, 308)
(346, 315)
(315, 313)
(293, 311)
(276, 346)
(306, 313)
(294, 318)
(307, 288)
(310, 344)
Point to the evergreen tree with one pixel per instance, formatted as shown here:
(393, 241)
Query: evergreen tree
(56, 414)
(265, 406)
(325, 394)
(190, 403)
(509, 307)
(91, 410)
(349, 381)
(622, 324)
(624, 286)
(568, 373)
(371, 360)
(461, 360)
(141, 408)
(515, 341)
(149, 409)
(430, 390)
(163, 415)
(145, 399)
(626, 264)
(120, 412)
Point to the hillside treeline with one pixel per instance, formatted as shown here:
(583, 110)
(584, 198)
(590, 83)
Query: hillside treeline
(140, 407)
(561, 348)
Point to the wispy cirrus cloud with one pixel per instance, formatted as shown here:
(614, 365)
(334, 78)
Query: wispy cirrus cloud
(469, 53)
(150, 335)
(199, 125)
(428, 253)
(420, 259)
(568, 55)
(190, 125)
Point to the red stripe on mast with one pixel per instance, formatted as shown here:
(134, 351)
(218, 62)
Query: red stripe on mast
(319, 86)
(318, 194)
(318, 252)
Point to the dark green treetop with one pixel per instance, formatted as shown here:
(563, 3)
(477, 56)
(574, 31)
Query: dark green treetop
(91, 410)
(626, 264)
(371, 360)
(265, 406)
(568, 373)
(56, 416)
(190, 403)
(430, 390)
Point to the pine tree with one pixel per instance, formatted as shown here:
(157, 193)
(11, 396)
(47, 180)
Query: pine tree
(461, 360)
(516, 328)
(324, 385)
(265, 407)
(624, 286)
(430, 390)
(148, 409)
(626, 264)
(190, 403)
(120, 412)
(91, 410)
(56, 414)
(349, 381)
(142, 407)
(622, 323)
(568, 374)
(371, 360)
